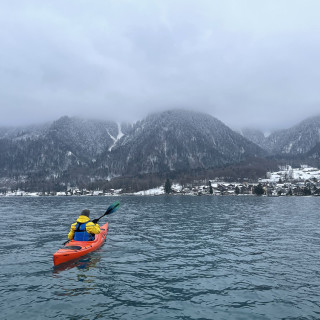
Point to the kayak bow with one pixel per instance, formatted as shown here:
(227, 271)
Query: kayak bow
(76, 249)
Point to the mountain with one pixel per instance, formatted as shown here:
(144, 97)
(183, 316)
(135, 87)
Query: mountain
(177, 140)
(68, 146)
(314, 152)
(78, 151)
(84, 138)
(254, 135)
(16, 133)
(296, 140)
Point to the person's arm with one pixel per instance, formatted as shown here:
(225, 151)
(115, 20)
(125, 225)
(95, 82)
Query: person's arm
(93, 228)
(72, 230)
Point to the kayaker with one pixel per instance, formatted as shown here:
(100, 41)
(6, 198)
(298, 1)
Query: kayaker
(84, 229)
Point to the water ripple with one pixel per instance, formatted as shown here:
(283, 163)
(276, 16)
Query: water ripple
(165, 258)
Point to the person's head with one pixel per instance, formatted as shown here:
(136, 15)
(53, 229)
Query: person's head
(85, 212)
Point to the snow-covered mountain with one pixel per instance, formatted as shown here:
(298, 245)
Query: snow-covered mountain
(17, 133)
(84, 138)
(67, 146)
(177, 140)
(76, 150)
(254, 135)
(314, 153)
(295, 140)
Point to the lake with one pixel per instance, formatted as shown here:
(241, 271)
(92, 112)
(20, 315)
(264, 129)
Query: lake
(166, 257)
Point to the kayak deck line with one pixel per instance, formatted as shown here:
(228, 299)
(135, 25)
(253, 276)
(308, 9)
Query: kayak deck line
(72, 248)
(76, 249)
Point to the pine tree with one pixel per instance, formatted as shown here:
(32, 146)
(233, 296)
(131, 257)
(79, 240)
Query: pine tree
(210, 188)
(167, 186)
(258, 190)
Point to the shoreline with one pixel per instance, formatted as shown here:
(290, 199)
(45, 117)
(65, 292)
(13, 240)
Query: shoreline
(152, 195)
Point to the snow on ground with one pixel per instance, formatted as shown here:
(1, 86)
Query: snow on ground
(119, 136)
(158, 191)
(150, 192)
(288, 173)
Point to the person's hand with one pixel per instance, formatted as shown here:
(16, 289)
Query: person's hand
(95, 220)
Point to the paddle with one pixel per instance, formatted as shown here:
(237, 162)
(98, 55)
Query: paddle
(112, 208)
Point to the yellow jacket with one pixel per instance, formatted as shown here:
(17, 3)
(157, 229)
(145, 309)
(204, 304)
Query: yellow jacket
(90, 227)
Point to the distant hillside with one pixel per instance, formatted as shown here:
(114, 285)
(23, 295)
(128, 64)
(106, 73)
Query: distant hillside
(255, 136)
(68, 146)
(177, 141)
(84, 138)
(295, 140)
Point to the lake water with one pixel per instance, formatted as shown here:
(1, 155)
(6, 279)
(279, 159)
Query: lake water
(168, 257)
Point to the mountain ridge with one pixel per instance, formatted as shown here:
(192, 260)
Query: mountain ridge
(184, 140)
(79, 151)
(296, 140)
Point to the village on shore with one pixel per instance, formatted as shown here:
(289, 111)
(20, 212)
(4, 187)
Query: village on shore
(288, 181)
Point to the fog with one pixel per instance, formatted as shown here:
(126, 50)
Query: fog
(247, 63)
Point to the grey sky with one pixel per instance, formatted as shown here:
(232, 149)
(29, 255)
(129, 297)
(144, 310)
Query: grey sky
(248, 63)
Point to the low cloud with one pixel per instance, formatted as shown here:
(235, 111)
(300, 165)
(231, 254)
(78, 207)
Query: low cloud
(248, 63)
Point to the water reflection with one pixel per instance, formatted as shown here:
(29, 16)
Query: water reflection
(84, 264)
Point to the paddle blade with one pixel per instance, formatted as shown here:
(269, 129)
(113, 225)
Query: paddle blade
(113, 208)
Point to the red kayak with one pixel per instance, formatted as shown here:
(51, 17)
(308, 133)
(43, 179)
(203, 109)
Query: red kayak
(76, 249)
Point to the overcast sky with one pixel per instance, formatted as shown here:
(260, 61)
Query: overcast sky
(248, 63)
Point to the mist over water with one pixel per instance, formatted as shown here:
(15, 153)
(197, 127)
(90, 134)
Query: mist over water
(168, 257)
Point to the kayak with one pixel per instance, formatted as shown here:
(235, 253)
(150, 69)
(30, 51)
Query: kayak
(76, 249)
